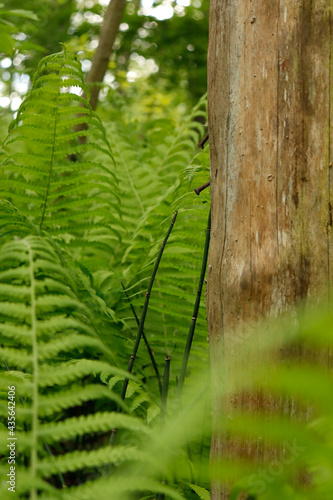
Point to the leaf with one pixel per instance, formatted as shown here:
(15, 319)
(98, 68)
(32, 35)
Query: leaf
(28, 14)
(201, 492)
(43, 175)
(6, 42)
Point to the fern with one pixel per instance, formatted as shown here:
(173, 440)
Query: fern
(58, 195)
(47, 193)
(149, 167)
(201, 492)
(42, 325)
(66, 327)
(154, 181)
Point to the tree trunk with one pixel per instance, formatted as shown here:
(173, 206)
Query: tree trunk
(269, 106)
(108, 34)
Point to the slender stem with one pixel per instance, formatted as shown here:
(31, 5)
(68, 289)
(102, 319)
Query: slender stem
(195, 311)
(142, 320)
(164, 399)
(150, 352)
(165, 388)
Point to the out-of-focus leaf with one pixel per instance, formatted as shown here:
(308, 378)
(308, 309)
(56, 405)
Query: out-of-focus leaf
(28, 14)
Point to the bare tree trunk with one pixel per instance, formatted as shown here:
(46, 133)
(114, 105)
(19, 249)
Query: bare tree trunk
(270, 119)
(108, 34)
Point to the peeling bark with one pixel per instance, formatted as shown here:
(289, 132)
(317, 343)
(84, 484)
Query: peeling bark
(270, 123)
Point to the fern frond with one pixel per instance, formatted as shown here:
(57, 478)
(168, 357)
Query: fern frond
(43, 324)
(96, 458)
(71, 371)
(201, 492)
(100, 422)
(119, 488)
(56, 194)
(66, 399)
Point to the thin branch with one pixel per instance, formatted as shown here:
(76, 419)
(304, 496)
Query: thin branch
(142, 321)
(150, 352)
(201, 188)
(195, 311)
(203, 141)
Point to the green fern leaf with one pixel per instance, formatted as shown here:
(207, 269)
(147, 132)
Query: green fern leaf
(201, 492)
(53, 124)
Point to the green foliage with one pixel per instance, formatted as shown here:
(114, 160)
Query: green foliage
(168, 55)
(37, 24)
(7, 28)
(177, 45)
(50, 346)
(75, 221)
(151, 157)
(201, 492)
(43, 171)
(73, 226)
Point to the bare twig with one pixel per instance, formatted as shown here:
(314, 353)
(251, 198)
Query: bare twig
(203, 141)
(142, 321)
(201, 188)
(150, 352)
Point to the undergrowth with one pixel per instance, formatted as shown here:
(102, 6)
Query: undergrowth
(84, 220)
(83, 211)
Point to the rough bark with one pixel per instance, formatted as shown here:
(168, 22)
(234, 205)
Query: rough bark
(108, 34)
(270, 118)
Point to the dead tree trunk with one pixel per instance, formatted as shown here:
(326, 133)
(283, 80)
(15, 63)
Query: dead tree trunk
(270, 119)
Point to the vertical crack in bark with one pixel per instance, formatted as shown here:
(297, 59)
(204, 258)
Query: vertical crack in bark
(251, 266)
(329, 225)
(303, 40)
(277, 128)
(228, 23)
(227, 155)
